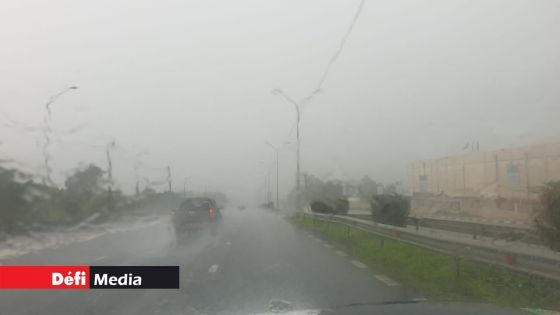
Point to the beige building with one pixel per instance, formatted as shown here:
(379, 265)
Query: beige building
(508, 177)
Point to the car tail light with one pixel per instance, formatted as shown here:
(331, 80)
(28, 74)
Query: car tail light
(212, 213)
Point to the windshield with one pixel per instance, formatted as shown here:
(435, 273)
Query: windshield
(299, 157)
(195, 204)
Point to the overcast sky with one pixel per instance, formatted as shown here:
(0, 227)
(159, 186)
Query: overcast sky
(189, 84)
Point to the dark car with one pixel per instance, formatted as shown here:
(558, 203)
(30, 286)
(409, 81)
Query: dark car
(196, 214)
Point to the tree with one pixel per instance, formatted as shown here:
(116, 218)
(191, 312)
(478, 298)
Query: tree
(84, 194)
(325, 197)
(367, 188)
(87, 181)
(148, 191)
(390, 209)
(15, 205)
(547, 220)
(342, 206)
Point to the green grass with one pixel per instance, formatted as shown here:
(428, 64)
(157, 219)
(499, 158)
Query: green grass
(435, 274)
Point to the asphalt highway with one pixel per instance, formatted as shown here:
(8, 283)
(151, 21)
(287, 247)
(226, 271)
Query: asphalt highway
(256, 258)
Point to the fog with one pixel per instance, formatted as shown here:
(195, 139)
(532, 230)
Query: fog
(187, 84)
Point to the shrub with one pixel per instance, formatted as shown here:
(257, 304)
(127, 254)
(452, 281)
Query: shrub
(342, 206)
(339, 207)
(321, 207)
(14, 195)
(390, 209)
(547, 220)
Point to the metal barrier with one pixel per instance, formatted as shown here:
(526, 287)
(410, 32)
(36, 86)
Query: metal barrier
(545, 265)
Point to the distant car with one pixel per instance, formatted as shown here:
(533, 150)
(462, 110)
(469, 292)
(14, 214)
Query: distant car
(195, 215)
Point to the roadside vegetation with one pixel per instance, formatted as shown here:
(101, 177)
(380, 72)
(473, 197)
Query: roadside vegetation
(390, 209)
(547, 220)
(325, 197)
(28, 205)
(436, 275)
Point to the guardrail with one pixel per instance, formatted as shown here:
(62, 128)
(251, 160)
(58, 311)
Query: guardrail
(496, 231)
(486, 229)
(545, 264)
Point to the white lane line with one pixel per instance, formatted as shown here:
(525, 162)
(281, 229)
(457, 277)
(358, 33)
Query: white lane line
(228, 243)
(420, 299)
(388, 281)
(99, 258)
(359, 264)
(213, 269)
(341, 253)
(327, 245)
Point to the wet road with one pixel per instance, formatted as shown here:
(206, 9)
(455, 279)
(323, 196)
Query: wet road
(256, 257)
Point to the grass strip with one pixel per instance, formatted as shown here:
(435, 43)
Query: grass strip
(435, 274)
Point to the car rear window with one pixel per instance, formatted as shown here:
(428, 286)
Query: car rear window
(195, 204)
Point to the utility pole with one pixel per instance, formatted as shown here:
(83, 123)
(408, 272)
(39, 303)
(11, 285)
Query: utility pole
(266, 182)
(268, 192)
(47, 133)
(298, 153)
(109, 171)
(298, 119)
(277, 174)
(265, 191)
(185, 186)
(277, 181)
(137, 184)
(111, 145)
(137, 164)
(169, 177)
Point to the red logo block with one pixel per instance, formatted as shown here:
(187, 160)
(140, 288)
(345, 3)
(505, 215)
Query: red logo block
(44, 277)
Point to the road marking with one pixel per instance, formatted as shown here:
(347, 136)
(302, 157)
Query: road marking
(341, 253)
(359, 264)
(388, 281)
(99, 258)
(213, 269)
(327, 245)
(228, 243)
(420, 299)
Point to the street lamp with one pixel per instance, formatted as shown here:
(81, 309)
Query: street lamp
(277, 174)
(47, 132)
(185, 186)
(56, 96)
(266, 183)
(110, 146)
(298, 114)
